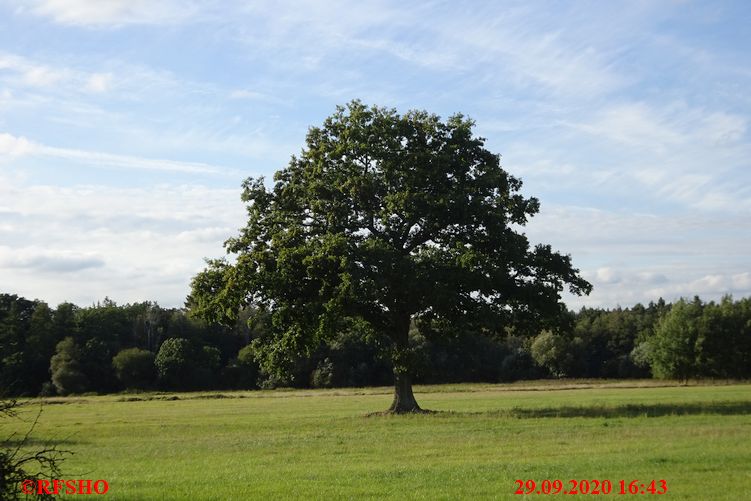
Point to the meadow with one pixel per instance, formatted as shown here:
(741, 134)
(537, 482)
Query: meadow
(332, 444)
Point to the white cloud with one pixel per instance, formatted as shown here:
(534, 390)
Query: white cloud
(203, 235)
(688, 155)
(509, 47)
(17, 146)
(12, 146)
(710, 286)
(432, 56)
(42, 77)
(665, 127)
(26, 73)
(607, 275)
(670, 283)
(741, 281)
(40, 260)
(633, 258)
(99, 82)
(114, 12)
(96, 158)
(85, 242)
(31, 73)
(556, 65)
(634, 124)
(648, 277)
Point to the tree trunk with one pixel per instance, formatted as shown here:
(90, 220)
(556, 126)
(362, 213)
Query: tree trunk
(404, 399)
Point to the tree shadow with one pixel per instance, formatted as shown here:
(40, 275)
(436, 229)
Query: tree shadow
(15, 441)
(724, 408)
(388, 412)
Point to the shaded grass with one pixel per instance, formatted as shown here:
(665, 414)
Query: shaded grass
(320, 444)
(636, 410)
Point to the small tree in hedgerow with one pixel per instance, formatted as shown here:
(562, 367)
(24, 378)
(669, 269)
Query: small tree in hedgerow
(176, 363)
(134, 368)
(389, 219)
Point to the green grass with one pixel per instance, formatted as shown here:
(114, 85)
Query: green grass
(323, 444)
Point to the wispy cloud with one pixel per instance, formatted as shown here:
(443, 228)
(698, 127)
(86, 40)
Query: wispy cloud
(12, 146)
(491, 44)
(663, 128)
(43, 261)
(46, 74)
(682, 154)
(247, 94)
(99, 82)
(31, 73)
(112, 12)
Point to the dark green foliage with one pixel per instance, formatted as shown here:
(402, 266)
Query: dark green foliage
(607, 338)
(183, 365)
(451, 357)
(40, 346)
(106, 322)
(96, 365)
(556, 353)
(697, 339)
(354, 357)
(66, 368)
(65, 320)
(723, 346)
(518, 362)
(237, 376)
(134, 368)
(242, 371)
(208, 365)
(211, 358)
(620, 343)
(30, 331)
(15, 323)
(176, 363)
(385, 218)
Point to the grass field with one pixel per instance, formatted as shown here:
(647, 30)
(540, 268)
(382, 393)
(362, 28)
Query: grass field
(324, 445)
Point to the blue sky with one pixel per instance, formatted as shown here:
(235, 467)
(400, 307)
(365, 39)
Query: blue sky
(127, 126)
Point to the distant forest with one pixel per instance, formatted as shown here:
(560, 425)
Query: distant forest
(108, 347)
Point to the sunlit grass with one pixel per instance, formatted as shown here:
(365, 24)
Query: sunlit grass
(323, 444)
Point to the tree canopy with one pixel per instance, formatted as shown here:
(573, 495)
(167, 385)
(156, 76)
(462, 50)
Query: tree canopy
(389, 220)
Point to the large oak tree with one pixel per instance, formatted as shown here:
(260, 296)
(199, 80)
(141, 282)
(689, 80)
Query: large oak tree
(386, 219)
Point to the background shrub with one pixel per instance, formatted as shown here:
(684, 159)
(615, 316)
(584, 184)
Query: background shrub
(134, 368)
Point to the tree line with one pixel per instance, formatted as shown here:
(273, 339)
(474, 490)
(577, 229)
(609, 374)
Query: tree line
(108, 347)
